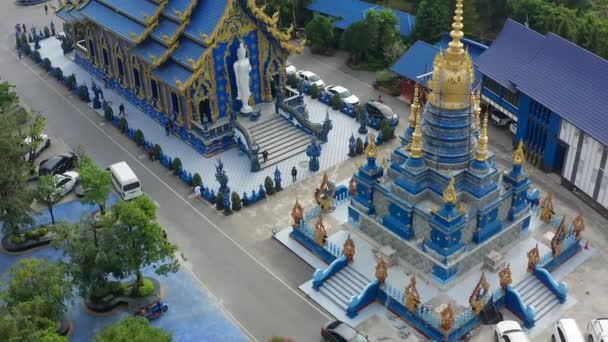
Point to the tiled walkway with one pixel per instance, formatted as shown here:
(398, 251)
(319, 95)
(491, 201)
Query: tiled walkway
(235, 162)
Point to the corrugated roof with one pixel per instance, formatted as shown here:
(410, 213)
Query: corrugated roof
(570, 81)
(187, 49)
(352, 11)
(205, 18)
(176, 5)
(165, 27)
(108, 18)
(135, 9)
(149, 47)
(65, 15)
(514, 46)
(171, 71)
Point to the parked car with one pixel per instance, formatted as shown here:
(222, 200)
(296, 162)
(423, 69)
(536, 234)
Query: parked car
(566, 330)
(338, 331)
(500, 119)
(43, 143)
(509, 331)
(310, 78)
(290, 69)
(513, 128)
(57, 164)
(64, 182)
(378, 111)
(598, 330)
(345, 95)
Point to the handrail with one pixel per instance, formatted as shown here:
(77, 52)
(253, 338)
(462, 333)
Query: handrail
(320, 276)
(368, 295)
(289, 112)
(515, 303)
(560, 290)
(245, 132)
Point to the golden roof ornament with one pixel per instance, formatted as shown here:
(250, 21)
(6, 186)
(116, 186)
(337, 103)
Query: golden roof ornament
(416, 145)
(518, 155)
(477, 300)
(505, 277)
(349, 249)
(297, 213)
(415, 107)
(372, 149)
(533, 258)
(449, 194)
(482, 149)
(477, 109)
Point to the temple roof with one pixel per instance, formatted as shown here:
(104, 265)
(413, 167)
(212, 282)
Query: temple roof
(176, 5)
(205, 18)
(187, 49)
(171, 71)
(134, 9)
(352, 11)
(149, 48)
(166, 27)
(112, 20)
(567, 79)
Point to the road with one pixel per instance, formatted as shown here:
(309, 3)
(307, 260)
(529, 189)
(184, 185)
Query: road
(261, 302)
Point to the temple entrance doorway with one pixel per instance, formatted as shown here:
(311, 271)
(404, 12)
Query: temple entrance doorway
(204, 108)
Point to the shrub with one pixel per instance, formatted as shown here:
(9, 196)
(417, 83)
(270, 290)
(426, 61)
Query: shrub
(36, 56)
(139, 137)
(46, 64)
(176, 166)
(70, 82)
(59, 74)
(269, 185)
(314, 91)
(293, 81)
(335, 102)
(108, 113)
(47, 32)
(388, 132)
(196, 180)
(236, 201)
(83, 93)
(17, 239)
(27, 49)
(359, 146)
(219, 201)
(123, 125)
(157, 151)
(146, 289)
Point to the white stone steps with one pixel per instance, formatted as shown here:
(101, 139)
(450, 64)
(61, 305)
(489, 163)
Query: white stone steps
(272, 129)
(275, 158)
(533, 292)
(352, 286)
(524, 282)
(547, 307)
(358, 277)
(327, 292)
(265, 123)
(337, 290)
(268, 124)
(283, 134)
(288, 140)
(538, 300)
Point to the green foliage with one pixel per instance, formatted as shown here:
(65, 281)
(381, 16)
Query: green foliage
(138, 241)
(139, 137)
(132, 329)
(359, 146)
(196, 180)
(335, 102)
(292, 80)
(46, 64)
(236, 201)
(70, 82)
(269, 185)
(27, 49)
(83, 93)
(320, 34)
(219, 201)
(108, 113)
(123, 125)
(388, 132)
(432, 18)
(35, 234)
(35, 128)
(18, 324)
(176, 165)
(58, 74)
(157, 151)
(42, 283)
(146, 289)
(47, 32)
(36, 56)
(314, 91)
(97, 182)
(47, 193)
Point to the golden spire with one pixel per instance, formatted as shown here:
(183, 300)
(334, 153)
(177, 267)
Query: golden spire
(449, 194)
(455, 52)
(518, 154)
(415, 107)
(477, 108)
(416, 146)
(372, 149)
(482, 148)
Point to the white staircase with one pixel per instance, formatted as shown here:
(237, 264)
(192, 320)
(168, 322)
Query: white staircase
(535, 293)
(280, 138)
(343, 285)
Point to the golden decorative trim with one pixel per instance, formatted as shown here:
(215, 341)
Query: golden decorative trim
(297, 212)
(559, 237)
(416, 144)
(349, 249)
(160, 60)
(546, 208)
(320, 232)
(381, 270)
(477, 300)
(412, 297)
(482, 149)
(533, 258)
(447, 319)
(505, 277)
(578, 225)
(372, 149)
(518, 155)
(449, 194)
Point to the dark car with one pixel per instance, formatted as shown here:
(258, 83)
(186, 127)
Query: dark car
(378, 111)
(57, 164)
(338, 331)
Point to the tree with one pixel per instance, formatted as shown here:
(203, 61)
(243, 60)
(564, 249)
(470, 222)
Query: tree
(431, 19)
(236, 201)
(314, 91)
(8, 97)
(357, 39)
(47, 193)
(359, 146)
(139, 241)
(388, 131)
(42, 284)
(132, 329)
(219, 201)
(97, 182)
(320, 34)
(34, 131)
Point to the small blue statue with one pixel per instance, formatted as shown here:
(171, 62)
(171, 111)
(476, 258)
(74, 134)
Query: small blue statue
(245, 199)
(262, 192)
(221, 177)
(277, 179)
(351, 146)
(313, 151)
(363, 121)
(325, 128)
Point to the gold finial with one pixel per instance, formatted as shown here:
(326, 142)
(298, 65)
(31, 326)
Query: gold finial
(372, 149)
(416, 146)
(518, 154)
(477, 108)
(482, 148)
(415, 106)
(297, 213)
(455, 51)
(349, 249)
(449, 194)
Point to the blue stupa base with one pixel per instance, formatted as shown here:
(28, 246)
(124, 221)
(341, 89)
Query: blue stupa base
(480, 166)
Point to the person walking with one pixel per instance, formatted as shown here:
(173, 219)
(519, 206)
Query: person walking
(46, 9)
(167, 128)
(265, 156)
(121, 110)
(150, 153)
(294, 174)
(197, 192)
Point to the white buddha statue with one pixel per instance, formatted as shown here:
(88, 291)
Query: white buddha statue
(242, 68)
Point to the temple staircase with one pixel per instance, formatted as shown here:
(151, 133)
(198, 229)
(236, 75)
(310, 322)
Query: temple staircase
(534, 292)
(343, 285)
(280, 138)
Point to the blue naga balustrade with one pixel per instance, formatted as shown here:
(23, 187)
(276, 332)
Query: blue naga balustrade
(516, 305)
(560, 290)
(320, 276)
(368, 295)
(309, 243)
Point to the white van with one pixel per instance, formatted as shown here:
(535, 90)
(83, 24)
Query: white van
(125, 181)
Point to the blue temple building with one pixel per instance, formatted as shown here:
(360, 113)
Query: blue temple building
(174, 58)
(440, 202)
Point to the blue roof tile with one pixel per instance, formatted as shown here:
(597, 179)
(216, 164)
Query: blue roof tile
(108, 18)
(571, 81)
(514, 46)
(135, 9)
(149, 47)
(187, 49)
(65, 15)
(171, 71)
(176, 5)
(205, 18)
(352, 11)
(165, 27)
